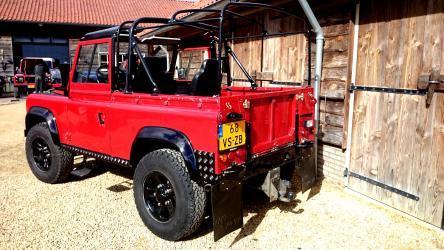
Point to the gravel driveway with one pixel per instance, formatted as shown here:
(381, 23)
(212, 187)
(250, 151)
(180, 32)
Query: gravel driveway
(98, 211)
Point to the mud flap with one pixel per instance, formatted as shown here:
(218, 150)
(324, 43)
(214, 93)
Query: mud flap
(306, 168)
(226, 200)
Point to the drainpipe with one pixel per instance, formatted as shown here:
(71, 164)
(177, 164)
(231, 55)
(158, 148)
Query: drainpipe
(318, 69)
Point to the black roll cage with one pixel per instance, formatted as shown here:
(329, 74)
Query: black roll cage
(203, 24)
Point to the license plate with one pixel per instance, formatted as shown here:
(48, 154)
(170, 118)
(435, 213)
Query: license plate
(231, 135)
(31, 86)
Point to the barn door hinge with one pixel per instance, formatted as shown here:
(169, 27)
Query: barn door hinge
(431, 83)
(388, 90)
(381, 185)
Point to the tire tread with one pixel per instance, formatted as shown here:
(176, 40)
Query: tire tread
(65, 160)
(197, 193)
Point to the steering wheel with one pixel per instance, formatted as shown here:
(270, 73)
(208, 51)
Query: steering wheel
(102, 73)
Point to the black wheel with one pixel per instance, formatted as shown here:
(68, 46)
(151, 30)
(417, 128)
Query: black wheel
(170, 203)
(48, 162)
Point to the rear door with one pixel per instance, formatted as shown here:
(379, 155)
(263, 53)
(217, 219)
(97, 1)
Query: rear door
(273, 118)
(397, 140)
(90, 93)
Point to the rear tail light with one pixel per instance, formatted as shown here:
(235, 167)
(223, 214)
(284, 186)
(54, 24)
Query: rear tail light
(309, 124)
(223, 158)
(306, 129)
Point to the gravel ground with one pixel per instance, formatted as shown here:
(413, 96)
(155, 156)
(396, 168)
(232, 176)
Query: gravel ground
(98, 211)
(9, 98)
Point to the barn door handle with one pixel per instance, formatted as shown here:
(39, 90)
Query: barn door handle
(430, 83)
(101, 118)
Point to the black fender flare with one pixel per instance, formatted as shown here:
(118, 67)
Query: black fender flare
(39, 114)
(171, 137)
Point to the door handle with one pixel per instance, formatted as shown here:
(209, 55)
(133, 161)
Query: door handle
(101, 118)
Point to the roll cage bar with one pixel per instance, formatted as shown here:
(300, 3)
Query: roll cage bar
(131, 28)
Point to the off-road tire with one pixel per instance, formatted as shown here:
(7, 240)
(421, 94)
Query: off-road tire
(190, 198)
(61, 161)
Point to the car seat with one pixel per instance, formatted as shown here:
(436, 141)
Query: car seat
(206, 81)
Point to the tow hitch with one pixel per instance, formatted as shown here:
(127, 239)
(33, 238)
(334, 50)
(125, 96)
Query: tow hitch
(276, 188)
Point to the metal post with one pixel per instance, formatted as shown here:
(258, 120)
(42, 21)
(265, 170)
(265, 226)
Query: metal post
(318, 68)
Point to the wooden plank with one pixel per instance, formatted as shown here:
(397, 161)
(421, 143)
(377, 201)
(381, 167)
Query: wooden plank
(435, 213)
(336, 30)
(331, 134)
(333, 89)
(338, 43)
(332, 74)
(378, 137)
(333, 120)
(332, 107)
(433, 177)
(332, 59)
(348, 83)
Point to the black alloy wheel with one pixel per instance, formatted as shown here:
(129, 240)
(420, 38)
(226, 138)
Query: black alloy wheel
(48, 161)
(170, 203)
(159, 197)
(41, 154)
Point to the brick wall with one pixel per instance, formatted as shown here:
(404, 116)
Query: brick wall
(331, 163)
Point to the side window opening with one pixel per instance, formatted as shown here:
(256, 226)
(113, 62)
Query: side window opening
(174, 70)
(189, 63)
(92, 64)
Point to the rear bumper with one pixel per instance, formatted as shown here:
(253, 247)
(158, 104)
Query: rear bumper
(301, 155)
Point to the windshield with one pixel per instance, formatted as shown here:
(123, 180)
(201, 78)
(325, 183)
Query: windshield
(29, 64)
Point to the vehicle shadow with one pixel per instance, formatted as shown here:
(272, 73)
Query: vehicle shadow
(257, 203)
(90, 168)
(316, 188)
(254, 201)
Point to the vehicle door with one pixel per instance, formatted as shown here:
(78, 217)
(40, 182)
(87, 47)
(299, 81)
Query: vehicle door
(90, 93)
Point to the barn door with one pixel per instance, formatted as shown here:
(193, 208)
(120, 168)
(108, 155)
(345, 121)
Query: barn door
(397, 153)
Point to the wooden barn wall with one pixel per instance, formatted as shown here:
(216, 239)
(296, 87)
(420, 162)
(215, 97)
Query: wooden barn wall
(397, 140)
(6, 49)
(285, 59)
(72, 49)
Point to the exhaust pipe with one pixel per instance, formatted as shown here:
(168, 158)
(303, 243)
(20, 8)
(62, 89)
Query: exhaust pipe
(318, 69)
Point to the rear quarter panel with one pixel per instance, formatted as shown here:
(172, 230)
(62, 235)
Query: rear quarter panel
(196, 118)
(56, 104)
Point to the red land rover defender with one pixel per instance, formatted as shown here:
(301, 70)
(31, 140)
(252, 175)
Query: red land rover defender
(24, 78)
(134, 98)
